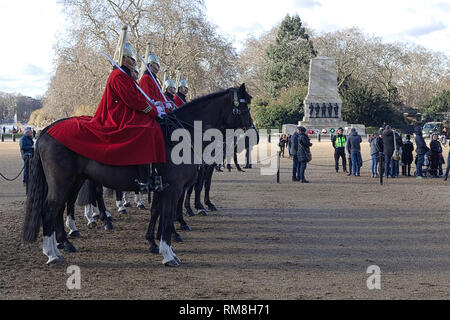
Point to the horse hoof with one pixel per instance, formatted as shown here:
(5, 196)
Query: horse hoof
(92, 225)
(68, 247)
(202, 212)
(96, 217)
(60, 246)
(212, 207)
(178, 238)
(75, 234)
(177, 259)
(123, 211)
(127, 204)
(108, 225)
(172, 264)
(186, 227)
(190, 213)
(56, 261)
(141, 207)
(154, 249)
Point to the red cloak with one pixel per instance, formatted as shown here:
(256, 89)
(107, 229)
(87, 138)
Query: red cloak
(122, 132)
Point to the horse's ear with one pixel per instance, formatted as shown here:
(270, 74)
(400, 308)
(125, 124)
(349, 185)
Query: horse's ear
(242, 89)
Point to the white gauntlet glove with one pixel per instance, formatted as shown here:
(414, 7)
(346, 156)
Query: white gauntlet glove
(161, 111)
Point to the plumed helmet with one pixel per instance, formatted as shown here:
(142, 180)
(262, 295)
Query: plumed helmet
(183, 83)
(128, 51)
(170, 84)
(153, 58)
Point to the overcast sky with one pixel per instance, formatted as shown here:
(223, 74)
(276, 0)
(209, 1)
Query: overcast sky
(29, 28)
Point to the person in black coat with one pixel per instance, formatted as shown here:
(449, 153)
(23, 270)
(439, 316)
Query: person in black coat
(293, 153)
(448, 163)
(407, 156)
(436, 150)
(27, 150)
(302, 153)
(421, 150)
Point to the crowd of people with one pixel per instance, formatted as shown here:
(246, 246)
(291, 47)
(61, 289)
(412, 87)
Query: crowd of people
(388, 145)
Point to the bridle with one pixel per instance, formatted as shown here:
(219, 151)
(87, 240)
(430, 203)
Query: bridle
(237, 104)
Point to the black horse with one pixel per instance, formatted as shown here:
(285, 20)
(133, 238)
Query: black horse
(58, 173)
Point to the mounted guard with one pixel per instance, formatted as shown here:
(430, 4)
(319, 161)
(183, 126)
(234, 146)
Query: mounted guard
(123, 131)
(180, 96)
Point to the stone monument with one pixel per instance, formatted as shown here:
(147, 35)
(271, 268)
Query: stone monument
(323, 106)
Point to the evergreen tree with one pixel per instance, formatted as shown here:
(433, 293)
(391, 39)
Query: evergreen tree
(439, 103)
(289, 56)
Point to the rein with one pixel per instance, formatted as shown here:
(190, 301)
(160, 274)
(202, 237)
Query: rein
(171, 122)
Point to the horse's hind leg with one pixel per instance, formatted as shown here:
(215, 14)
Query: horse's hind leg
(52, 221)
(100, 202)
(119, 203)
(138, 201)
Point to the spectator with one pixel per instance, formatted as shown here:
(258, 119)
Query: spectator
(289, 142)
(27, 151)
(436, 150)
(388, 144)
(407, 157)
(421, 150)
(448, 163)
(354, 148)
(374, 153)
(339, 142)
(302, 153)
(293, 154)
(282, 144)
(398, 150)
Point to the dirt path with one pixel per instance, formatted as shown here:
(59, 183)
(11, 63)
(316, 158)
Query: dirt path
(268, 241)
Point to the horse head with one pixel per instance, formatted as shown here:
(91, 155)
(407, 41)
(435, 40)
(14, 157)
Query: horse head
(237, 115)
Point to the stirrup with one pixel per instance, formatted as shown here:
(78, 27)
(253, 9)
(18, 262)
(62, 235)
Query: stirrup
(159, 186)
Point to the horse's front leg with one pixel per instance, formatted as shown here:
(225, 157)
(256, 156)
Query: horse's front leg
(150, 236)
(180, 219)
(208, 179)
(187, 201)
(167, 218)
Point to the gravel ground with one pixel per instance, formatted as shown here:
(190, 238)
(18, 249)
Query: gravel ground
(267, 241)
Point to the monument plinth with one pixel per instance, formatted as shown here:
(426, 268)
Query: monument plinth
(323, 105)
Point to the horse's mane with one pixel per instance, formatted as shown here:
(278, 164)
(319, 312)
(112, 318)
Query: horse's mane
(202, 99)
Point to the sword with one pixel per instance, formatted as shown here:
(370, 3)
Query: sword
(137, 86)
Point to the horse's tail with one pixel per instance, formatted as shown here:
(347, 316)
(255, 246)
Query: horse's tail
(36, 198)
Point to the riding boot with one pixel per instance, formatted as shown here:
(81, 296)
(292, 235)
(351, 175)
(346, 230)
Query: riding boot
(145, 182)
(159, 186)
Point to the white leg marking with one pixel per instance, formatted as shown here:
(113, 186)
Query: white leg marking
(125, 200)
(137, 199)
(70, 223)
(166, 251)
(120, 206)
(88, 214)
(47, 249)
(95, 210)
(108, 214)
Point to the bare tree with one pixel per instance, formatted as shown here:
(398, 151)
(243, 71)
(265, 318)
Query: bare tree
(179, 33)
